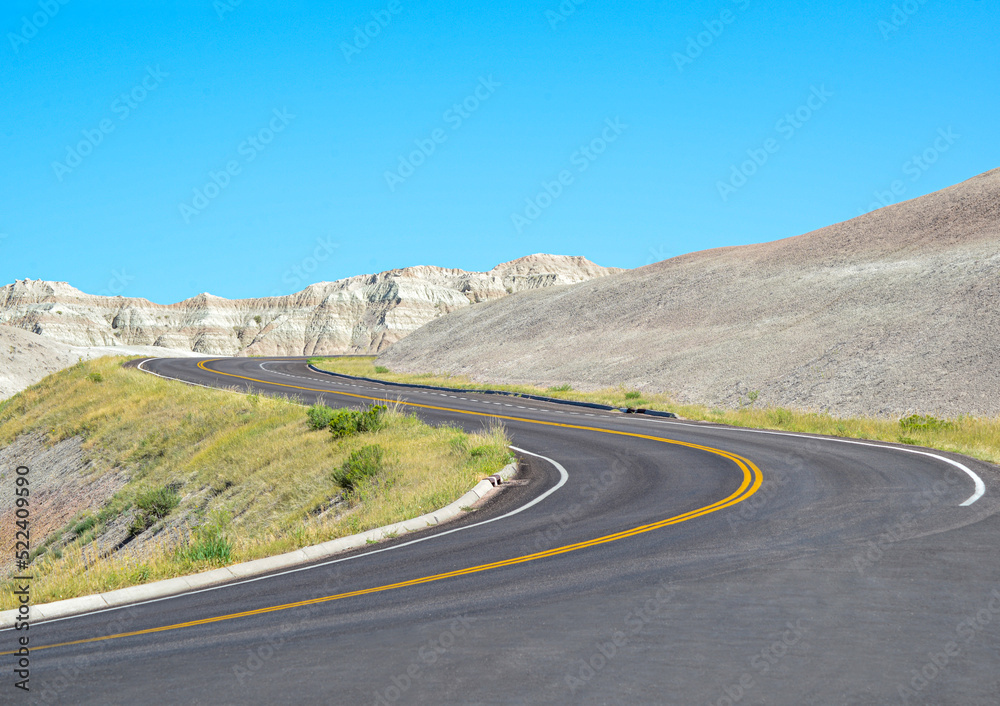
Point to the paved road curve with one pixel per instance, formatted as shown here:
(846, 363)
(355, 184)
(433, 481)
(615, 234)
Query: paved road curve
(733, 567)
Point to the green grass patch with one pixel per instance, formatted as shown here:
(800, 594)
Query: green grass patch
(152, 505)
(319, 416)
(215, 478)
(361, 466)
(346, 422)
(211, 544)
(974, 436)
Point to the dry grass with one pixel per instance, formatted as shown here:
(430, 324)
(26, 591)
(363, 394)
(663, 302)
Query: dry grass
(247, 465)
(974, 436)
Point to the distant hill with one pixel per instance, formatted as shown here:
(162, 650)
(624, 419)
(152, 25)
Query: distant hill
(895, 311)
(26, 358)
(359, 314)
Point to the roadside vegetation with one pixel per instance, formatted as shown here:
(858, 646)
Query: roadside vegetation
(206, 478)
(974, 436)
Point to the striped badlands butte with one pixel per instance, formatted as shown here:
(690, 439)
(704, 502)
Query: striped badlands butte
(359, 314)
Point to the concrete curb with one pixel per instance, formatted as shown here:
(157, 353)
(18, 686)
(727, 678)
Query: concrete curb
(306, 555)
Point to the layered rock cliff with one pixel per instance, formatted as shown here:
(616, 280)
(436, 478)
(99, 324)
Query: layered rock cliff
(362, 314)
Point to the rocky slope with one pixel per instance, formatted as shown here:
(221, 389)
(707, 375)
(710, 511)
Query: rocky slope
(892, 312)
(359, 314)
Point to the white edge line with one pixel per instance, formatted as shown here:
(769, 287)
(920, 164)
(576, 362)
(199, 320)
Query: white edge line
(980, 486)
(563, 478)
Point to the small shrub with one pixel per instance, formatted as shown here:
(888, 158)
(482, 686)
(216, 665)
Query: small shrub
(151, 506)
(320, 416)
(782, 417)
(139, 574)
(365, 463)
(916, 422)
(258, 319)
(381, 369)
(158, 502)
(459, 444)
(95, 377)
(633, 395)
(211, 543)
(346, 422)
(561, 388)
(83, 525)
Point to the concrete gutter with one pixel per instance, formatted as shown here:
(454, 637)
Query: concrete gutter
(306, 555)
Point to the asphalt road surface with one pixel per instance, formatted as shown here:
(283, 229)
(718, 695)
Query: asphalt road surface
(672, 563)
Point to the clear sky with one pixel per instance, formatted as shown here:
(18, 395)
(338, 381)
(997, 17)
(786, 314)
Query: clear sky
(249, 148)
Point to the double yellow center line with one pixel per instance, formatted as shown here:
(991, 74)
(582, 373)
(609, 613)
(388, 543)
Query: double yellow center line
(752, 479)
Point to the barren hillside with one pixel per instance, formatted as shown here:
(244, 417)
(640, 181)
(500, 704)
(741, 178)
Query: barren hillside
(895, 311)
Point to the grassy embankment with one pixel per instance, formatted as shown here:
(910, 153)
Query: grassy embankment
(216, 478)
(973, 436)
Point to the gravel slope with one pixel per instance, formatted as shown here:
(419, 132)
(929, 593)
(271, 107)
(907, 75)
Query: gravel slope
(892, 312)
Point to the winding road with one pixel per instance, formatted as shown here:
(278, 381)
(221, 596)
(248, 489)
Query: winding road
(669, 562)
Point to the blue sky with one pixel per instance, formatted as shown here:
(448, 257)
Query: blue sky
(250, 148)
